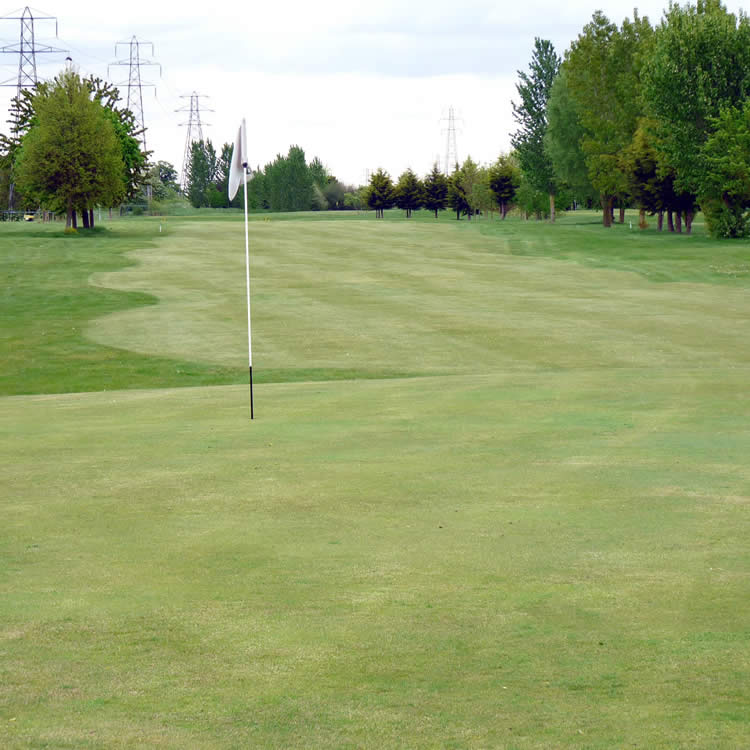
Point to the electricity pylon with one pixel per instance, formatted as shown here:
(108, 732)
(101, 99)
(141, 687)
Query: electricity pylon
(136, 84)
(27, 49)
(194, 130)
(451, 152)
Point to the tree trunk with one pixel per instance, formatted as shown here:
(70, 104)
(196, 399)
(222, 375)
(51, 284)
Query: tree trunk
(436, 213)
(642, 223)
(660, 221)
(69, 214)
(91, 218)
(689, 222)
(622, 213)
(670, 221)
(75, 219)
(503, 210)
(85, 217)
(458, 215)
(607, 210)
(678, 222)
(552, 208)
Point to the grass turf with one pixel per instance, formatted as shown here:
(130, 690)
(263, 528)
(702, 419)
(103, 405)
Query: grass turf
(537, 540)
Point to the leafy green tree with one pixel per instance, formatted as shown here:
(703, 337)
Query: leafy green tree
(70, 157)
(699, 64)
(289, 184)
(407, 194)
(318, 173)
(531, 115)
(216, 198)
(504, 178)
(256, 191)
(603, 69)
(530, 201)
(5, 178)
(698, 67)
(563, 138)
(353, 199)
(435, 194)
(108, 97)
(724, 181)
(161, 179)
(640, 162)
(380, 194)
(299, 181)
(652, 181)
(202, 171)
(482, 198)
(135, 161)
(277, 184)
(221, 181)
(167, 175)
(470, 175)
(457, 199)
(334, 193)
(319, 201)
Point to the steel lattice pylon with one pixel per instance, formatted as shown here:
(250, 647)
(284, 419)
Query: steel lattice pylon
(194, 131)
(27, 50)
(135, 84)
(451, 153)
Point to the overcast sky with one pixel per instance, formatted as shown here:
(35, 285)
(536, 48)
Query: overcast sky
(358, 84)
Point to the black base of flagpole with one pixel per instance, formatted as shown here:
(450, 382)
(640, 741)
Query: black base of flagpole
(252, 415)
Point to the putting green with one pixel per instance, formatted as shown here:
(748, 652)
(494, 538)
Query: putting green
(470, 561)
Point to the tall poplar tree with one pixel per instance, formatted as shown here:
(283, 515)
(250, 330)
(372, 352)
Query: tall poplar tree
(563, 140)
(603, 68)
(202, 172)
(531, 115)
(299, 181)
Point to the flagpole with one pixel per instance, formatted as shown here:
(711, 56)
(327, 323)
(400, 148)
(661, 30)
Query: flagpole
(247, 277)
(237, 174)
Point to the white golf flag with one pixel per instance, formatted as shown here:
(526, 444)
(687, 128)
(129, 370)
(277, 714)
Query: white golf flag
(239, 162)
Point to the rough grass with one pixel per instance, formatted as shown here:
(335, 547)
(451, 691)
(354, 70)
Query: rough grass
(538, 540)
(47, 301)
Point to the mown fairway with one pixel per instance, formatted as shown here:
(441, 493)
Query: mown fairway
(496, 494)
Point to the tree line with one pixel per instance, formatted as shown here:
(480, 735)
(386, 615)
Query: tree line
(288, 183)
(469, 190)
(652, 116)
(656, 117)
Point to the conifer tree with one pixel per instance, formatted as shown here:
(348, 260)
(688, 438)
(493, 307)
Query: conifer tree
(504, 179)
(435, 191)
(380, 193)
(456, 194)
(407, 194)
